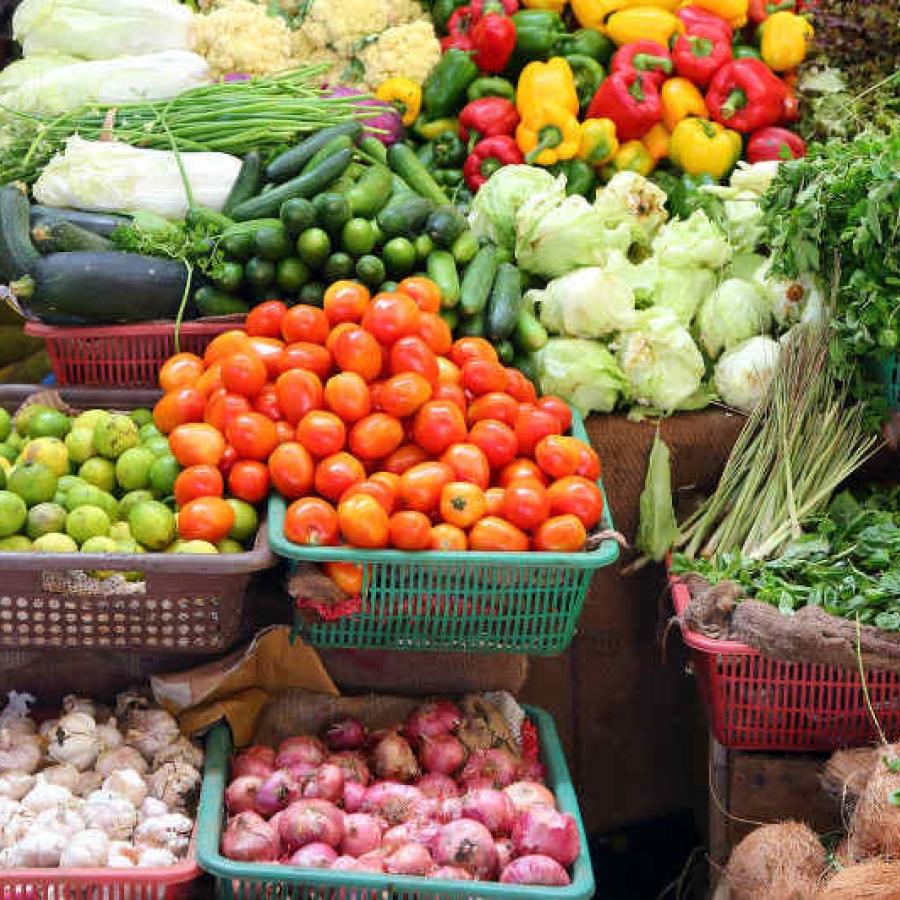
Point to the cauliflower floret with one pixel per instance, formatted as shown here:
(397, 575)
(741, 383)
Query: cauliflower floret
(402, 11)
(407, 51)
(339, 26)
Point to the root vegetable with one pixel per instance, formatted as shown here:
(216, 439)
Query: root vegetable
(409, 859)
(451, 873)
(544, 831)
(301, 749)
(276, 793)
(362, 834)
(393, 759)
(75, 741)
(258, 761)
(492, 808)
(240, 795)
(442, 753)
(325, 783)
(150, 730)
(352, 796)
(410, 833)
(15, 785)
(438, 786)
(313, 856)
(311, 821)
(433, 718)
(497, 765)
(353, 765)
(249, 838)
(505, 852)
(535, 869)
(525, 794)
(469, 845)
(345, 734)
(395, 803)
(111, 761)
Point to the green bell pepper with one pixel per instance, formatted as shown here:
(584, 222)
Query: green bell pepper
(448, 177)
(441, 12)
(449, 151)
(587, 42)
(580, 176)
(745, 51)
(537, 33)
(588, 74)
(444, 91)
(426, 155)
(491, 87)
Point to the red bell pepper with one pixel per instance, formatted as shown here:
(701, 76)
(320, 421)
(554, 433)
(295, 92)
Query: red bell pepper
(494, 38)
(504, 7)
(760, 10)
(643, 56)
(487, 117)
(459, 28)
(692, 16)
(746, 95)
(700, 54)
(775, 143)
(631, 100)
(489, 155)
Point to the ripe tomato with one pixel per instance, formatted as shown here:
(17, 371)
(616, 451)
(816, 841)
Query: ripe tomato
(305, 355)
(210, 381)
(469, 348)
(291, 469)
(266, 319)
(447, 537)
(376, 436)
(337, 331)
(557, 455)
(462, 504)
(403, 458)
(560, 534)
(347, 576)
(375, 390)
(389, 480)
(298, 392)
(409, 530)
(493, 498)
(448, 372)
(469, 464)
(390, 317)
(403, 394)
(322, 433)
(412, 354)
(532, 424)
(436, 333)
(347, 396)
(284, 431)
(519, 387)
(423, 290)
(198, 481)
(496, 535)
(357, 351)
(525, 503)
(226, 344)
(336, 474)
(196, 443)
(496, 440)
(495, 405)
(438, 424)
(305, 323)
(177, 407)
(248, 480)
(578, 496)
(588, 462)
(420, 486)
(520, 468)
(180, 370)
(229, 458)
(311, 521)
(482, 377)
(452, 392)
(345, 301)
(363, 522)
(221, 406)
(382, 492)
(269, 351)
(266, 402)
(252, 435)
(205, 519)
(243, 373)
(558, 408)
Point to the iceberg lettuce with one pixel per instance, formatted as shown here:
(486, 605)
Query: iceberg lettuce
(586, 303)
(696, 241)
(742, 374)
(735, 311)
(583, 373)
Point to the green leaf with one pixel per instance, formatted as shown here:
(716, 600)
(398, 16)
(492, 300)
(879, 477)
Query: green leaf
(658, 526)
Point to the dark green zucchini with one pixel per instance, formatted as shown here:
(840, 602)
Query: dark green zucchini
(17, 252)
(60, 236)
(103, 224)
(248, 182)
(292, 161)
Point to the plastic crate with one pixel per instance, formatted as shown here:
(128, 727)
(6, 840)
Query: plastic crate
(252, 881)
(467, 601)
(888, 373)
(117, 355)
(754, 702)
(186, 604)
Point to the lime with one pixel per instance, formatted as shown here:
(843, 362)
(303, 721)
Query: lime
(15, 441)
(24, 417)
(48, 423)
(99, 472)
(148, 431)
(399, 256)
(292, 274)
(80, 444)
(314, 247)
(8, 452)
(152, 524)
(130, 501)
(67, 482)
(358, 237)
(99, 544)
(33, 482)
(119, 531)
(227, 545)
(87, 522)
(141, 417)
(128, 545)
(90, 418)
(16, 543)
(246, 521)
(370, 270)
(195, 547)
(5, 424)
(163, 473)
(54, 543)
(50, 451)
(158, 445)
(12, 513)
(3, 471)
(133, 468)
(114, 435)
(90, 495)
(45, 518)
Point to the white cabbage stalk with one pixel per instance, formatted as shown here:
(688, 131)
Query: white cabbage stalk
(22, 70)
(113, 177)
(743, 374)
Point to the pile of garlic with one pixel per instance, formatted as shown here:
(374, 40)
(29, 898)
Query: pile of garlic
(95, 787)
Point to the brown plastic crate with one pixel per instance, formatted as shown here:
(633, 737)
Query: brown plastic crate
(186, 604)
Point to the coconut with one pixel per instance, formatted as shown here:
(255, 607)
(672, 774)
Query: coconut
(875, 826)
(876, 879)
(779, 862)
(847, 771)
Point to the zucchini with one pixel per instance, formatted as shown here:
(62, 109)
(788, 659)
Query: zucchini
(442, 271)
(335, 145)
(477, 282)
(60, 236)
(247, 184)
(212, 302)
(17, 252)
(408, 166)
(292, 161)
(404, 215)
(506, 303)
(371, 193)
(445, 225)
(306, 185)
(103, 224)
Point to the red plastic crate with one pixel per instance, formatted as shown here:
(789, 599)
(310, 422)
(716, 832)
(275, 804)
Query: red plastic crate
(754, 702)
(120, 355)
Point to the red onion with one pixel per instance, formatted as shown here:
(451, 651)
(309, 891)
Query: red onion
(249, 838)
(325, 783)
(442, 753)
(344, 863)
(311, 821)
(450, 810)
(410, 833)
(525, 794)
(395, 803)
(301, 749)
(388, 120)
(362, 834)
(532, 770)
(433, 718)
(301, 770)
(371, 862)
(240, 795)
(345, 734)
(492, 808)
(496, 764)
(393, 759)
(409, 859)
(434, 784)
(353, 765)
(535, 869)
(469, 845)
(451, 873)
(259, 761)
(352, 796)
(544, 831)
(505, 852)
(278, 791)
(313, 856)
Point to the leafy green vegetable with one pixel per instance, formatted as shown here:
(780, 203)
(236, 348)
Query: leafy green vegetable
(584, 373)
(658, 527)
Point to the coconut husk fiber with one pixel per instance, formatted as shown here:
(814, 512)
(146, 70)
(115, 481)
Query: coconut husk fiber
(876, 879)
(875, 826)
(845, 774)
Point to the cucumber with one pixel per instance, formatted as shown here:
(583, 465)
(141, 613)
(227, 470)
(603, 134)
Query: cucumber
(60, 236)
(477, 282)
(292, 161)
(465, 247)
(442, 271)
(371, 146)
(451, 317)
(247, 184)
(307, 185)
(529, 334)
(250, 227)
(405, 215)
(506, 351)
(445, 225)
(527, 364)
(341, 142)
(103, 224)
(212, 302)
(17, 252)
(506, 303)
(472, 326)
(408, 166)
(371, 193)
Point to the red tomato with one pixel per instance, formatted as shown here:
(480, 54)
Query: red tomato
(469, 348)
(311, 521)
(496, 440)
(267, 403)
(196, 443)
(291, 469)
(336, 474)
(210, 381)
(375, 436)
(560, 534)
(347, 576)
(357, 351)
(533, 424)
(180, 370)
(284, 431)
(438, 424)
(226, 344)
(205, 519)
(447, 537)
(577, 496)
(412, 354)
(469, 464)
(269, 351)
(266, 319)
(558, 408)
(409, 530)
(389, 479)
(322, 433)
(420, 486)
(448, 372)
(383, 493)
(306, 324)
(198, 481)
(178, 407)
(482, 377)
(305, 355)
(403, 394)
(462, 504)
(403, 458)
(248, 480)
(497, 536)
(452, 392)
(347, 396)
(298, 392)
(376, 389)
(525, 503)
(252, 435)
(423, 290)
(498, 406)
(222, 406)
(363, 522)
(520, 468)
(345, 301)
(436, 333)
(520, 387)
(229, 458)
(493, 498)
(243, 373)
(588, 462)
(337, 331)
(390, 317)
(557, 455)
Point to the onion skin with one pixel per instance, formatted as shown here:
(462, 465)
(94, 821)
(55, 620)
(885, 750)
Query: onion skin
(393, 759)
(311, 821)
(535, 869)
(353, 765)
(313, 856)
(325, 783)
(469, 845)
(395, 803)
(492, 808)
(451, 873)
(496, 765)
(259, 761)
(362, 834)
(505, 852)
(543, 831)
(240, 795)
(249, 838)
(409, 859)
(442, 754)
(525, 794)
(433, 718)
(438, 786)
(352, 796)
(300, 749)
(389, 120)
(410, 833)
(345, 734)
(276, 793)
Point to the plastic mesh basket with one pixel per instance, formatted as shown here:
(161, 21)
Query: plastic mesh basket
(249, 881)
(754, 702)
(888, 372)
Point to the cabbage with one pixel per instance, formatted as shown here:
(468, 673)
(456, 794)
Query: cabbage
(754, 177)
(126, 79)
(586, 303)
(584, 373)
(642, 201)
(20, 71)
(686, 243)
(742, 375)
(735, 311)
(493, 214)
(743, 221)
(746, 266)
(660, 360)
(683, 291)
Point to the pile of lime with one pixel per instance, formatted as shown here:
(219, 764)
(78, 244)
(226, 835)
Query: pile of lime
(96, 482)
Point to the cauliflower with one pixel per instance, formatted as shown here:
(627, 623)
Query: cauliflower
(407, 51)
(341, 25)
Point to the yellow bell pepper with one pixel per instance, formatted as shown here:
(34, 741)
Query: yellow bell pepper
(547, 84)
(599, 143)
(681, 98)
(403, 93)
(643, 23)
(701, 147)
(594, 13)
(734, 12)
(556, 5)
(656, 140)
(548, 134)
(632, 156)
(785, 40)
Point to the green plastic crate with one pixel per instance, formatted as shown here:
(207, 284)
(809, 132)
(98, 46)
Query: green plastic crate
(888, 373)
(464, 601)
(257, 881)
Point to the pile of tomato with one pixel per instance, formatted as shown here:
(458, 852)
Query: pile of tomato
(379, 430)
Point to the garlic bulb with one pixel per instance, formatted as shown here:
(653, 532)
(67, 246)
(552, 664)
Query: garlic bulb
(73, 704)
(19, 752)
(122, 855)
(15, 822)
(75, 741)
(121, 758)
(48, 728)
(110, 813)
(128, 784)
(64, 774)
(67, 818)
(88, 782)
(109, 736)
(41, 848)
(45, 795)
(181, 750)
(151, 808)
(88, 849)
(150, 730)
(21, 726)
(172, 831)
(15, 785)
(173, 783)
(156, 856)
(128, 701)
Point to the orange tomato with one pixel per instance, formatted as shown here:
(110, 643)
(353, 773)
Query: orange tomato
(421, 485)
(243, 373)
(315, 358)
(322, 433)
(180, 370)
(178, 407)
(560, 534)
(462, 504)
(383, 493)
(557, 455)
(291, 469)
(412, 354)
(479, 376)
(198, 481)
(248, 480)
(347, 396)
(424, 291)
(337, 331)
(588, 462)
(335, 474)
(403, 458)
(403, 394)
(363, 522)
(436, 333)
(355, 350)
(311, 521)
(196, 443)
(497, 536)
(374, 437)
(226, 344)
(496, 440)
(284, 431)
(520, 468)
(389, 479)
(210, 381)
(266, 402)
(265, 320)
(252, 435)
(447, 537)
(305, 323)
(448, 372)
(298, 392)
(533, 424)
(221, 406)
(269, 350)
(452, 392)
(409, 530)
(347, 576)
(468, 348)
(345, 301)
(469, 464)
(493, 499)
(205, 519)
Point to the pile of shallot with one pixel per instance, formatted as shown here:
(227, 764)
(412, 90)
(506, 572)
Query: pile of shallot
(410, 800)
(96, 787)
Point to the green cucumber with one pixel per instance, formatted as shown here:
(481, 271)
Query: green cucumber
(247, 184)
(506, 303)
(472, 326)
(529, 334)
(103, 224)
(451, 317)
(212, 302)
(60, 236)
(477, 281)
(291, 162)
(371, 146)
(527, 364)
(442, 271)
(335, 145)
(371, 193)
(408, 166)
(405, 215)
(506, 351)
(17, 252)
(445, 225)
(465, 247)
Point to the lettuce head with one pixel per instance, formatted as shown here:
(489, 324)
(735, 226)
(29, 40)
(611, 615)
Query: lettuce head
(586, 303)
(692, 242)
(735, 311)
(642, 200)
(743, 374)
(584, 373)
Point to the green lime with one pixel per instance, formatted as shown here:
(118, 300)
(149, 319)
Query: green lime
(8, 452)
(133, 468)
(67, 482)
(158, 446)
(358, 237)
(298, 214)
(119, 531)
(45, 518)
(12, 513)
(25, 416)
(5, 424)
(246, 521)
(312, 294)
(128, 503)
(114, 435)
(259, 272)
(163, 472)
(152, 525)
(54, 543)
(50, 451)
(33, 482)
(292, 274)
(48, 423)
(332, 210)
(99, 543)
(227, 545)
(99, 472)
(195, 547)
(91, 495)
(141, 417)
(87, 522)
(370, 271)
(314, 247)
(16, 441)
(424, 247)
(90, 418)
(149, 431)
(337, 266)
(16, 543)
(272, 242)
(399, 256)
(80, 444)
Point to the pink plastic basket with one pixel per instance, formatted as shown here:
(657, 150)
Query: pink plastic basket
(754, 702)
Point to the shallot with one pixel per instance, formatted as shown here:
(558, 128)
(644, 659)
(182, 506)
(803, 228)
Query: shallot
(535, 869)
(395, 803)
(442, 753)
(250, 838)
(259, 761)
(240, 795)
(525, 794)
(393, 759)
(276, 793)
(353, 765)
(505, 852)
(492, 808)
(451, 873)
(301, 749)
(313, 856)
(497, 765)
(466, 844)
(345, 734)
(311, 821)
(410, 833)
(436, 785)
(409, 859)
(431, 719)
(362, 834)
(325, 783)
(543, 831)
(352, 796)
